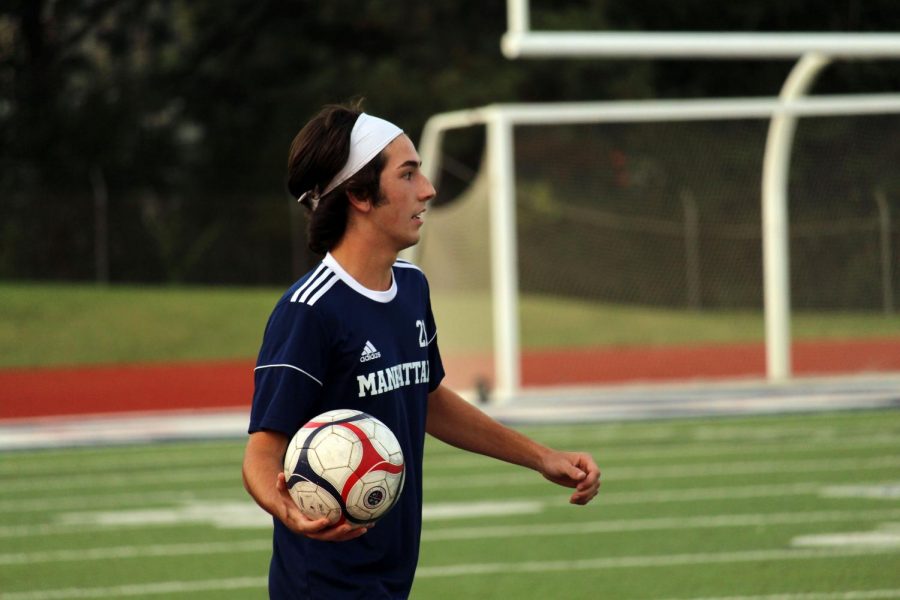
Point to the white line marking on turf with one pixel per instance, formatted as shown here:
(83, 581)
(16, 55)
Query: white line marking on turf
(467, 510)
(126, 480)
(631, 432)
(114, 501)
(848, 595)
(673, 471)
(231, 515)
(142, 589)
(244, 514)
(150, 458)
(887, 491)
(664, 523)
(175, 587)
(68, 502)
(224, 515)
(194, 476)
(70, 526)
(887, 534)
(464, 460)
(624, 562)
(118, 552)
(440, 534)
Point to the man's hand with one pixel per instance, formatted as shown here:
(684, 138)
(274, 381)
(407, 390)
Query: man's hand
(575, 470)
(317, 529)
(262, 465)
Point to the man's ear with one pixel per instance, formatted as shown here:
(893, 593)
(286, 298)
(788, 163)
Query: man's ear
(360, 203)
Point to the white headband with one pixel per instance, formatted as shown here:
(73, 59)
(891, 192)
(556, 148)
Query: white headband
(370, 135)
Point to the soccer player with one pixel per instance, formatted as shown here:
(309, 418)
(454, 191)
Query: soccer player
(358, 312)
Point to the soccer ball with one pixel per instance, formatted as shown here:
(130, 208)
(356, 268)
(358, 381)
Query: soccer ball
(344, 465)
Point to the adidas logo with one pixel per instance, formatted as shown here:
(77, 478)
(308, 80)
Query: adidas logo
(369, 353)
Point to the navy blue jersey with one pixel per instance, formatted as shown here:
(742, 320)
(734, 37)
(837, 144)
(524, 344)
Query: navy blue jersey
(331, 343)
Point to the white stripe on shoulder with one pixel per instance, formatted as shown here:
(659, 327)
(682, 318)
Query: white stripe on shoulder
(289, 367)
(323, 289)
(405, 264)
(325, 274)
(307, 282)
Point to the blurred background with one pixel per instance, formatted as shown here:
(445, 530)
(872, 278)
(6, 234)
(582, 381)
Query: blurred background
(144, 216)
(146, 141)
(146, 234)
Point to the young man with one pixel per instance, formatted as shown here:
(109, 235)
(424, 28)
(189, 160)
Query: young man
(360, 178)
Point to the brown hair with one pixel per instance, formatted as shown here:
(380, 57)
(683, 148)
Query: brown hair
(317, 153)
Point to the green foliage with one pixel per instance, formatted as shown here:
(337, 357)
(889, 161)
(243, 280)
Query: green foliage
(181, 112)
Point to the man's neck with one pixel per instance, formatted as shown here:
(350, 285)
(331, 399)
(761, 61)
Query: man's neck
(369, 266)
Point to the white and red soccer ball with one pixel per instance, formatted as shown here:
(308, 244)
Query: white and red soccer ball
(345, 465)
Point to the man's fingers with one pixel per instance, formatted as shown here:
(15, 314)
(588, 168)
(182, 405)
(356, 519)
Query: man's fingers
(340, 533)
(576, 473)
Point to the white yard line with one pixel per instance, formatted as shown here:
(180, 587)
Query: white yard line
(465, 460)
(172, 587)
(119, 552)
(847, 595)
(138, 499)
(554, 501)
(454, 459)
(124, 479)
(56, 504)
(143, 589)
(466, 533)
(521, 478)
(664, 523)
(106, 458)
(625, 562)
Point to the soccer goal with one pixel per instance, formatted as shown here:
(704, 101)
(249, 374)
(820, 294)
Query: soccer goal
(591, 226)
(636, 225)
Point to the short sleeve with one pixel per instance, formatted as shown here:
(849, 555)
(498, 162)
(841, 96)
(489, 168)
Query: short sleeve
(289, 370)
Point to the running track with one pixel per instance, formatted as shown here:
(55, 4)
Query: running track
(27, 393)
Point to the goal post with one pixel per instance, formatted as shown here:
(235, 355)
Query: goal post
(520, 41)
(501, 122)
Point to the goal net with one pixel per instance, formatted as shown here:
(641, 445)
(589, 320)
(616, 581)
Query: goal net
(639, 250)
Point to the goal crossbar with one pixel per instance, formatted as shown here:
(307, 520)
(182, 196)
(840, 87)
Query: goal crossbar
(702, 45)
(520, 41)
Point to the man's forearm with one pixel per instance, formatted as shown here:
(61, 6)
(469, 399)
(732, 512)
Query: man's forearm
(261, 467)
(456, 422)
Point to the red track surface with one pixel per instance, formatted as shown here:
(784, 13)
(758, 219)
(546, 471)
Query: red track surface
(26, 393)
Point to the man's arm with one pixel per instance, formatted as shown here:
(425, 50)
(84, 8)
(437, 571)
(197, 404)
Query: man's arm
(263, 473)
(456, 422)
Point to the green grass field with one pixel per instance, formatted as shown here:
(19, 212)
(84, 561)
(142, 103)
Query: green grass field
(775, 508)
(61, 324)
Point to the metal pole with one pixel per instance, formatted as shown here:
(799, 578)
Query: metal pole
(887, 267)
(517, 16)
(700, 45)
(504, 259)
(101, 225)
(776, 250)
(691, 249)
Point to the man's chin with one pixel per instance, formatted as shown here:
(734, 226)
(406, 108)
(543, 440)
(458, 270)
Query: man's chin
(408, 243)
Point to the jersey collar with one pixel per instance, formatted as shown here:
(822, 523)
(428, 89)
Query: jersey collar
(377, 296)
